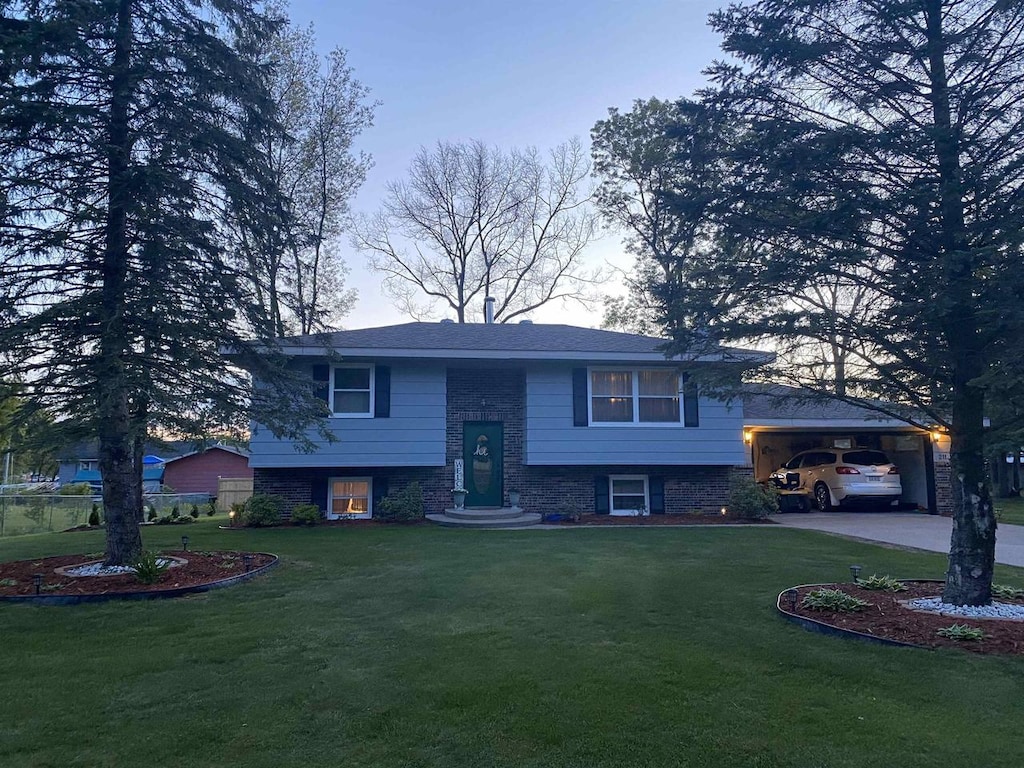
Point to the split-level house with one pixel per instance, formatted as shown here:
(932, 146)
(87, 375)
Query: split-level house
(573, 419)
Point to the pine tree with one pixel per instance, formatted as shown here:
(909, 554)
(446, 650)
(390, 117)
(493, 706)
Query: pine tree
(127, 139)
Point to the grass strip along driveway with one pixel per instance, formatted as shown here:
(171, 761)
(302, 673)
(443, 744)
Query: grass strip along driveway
(434, 647)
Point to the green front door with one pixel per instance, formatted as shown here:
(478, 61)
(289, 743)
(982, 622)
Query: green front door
(483, 451)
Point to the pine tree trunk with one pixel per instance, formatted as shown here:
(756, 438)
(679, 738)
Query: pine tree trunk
(116, 434)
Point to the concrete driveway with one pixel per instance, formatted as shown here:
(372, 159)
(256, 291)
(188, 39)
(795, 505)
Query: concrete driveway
(928, 532)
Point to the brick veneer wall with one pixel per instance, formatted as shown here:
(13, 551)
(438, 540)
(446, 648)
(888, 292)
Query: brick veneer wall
(499, 394)
(542, 489)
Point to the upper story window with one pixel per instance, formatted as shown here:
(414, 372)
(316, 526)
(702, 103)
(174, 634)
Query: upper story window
(88, 465)
(352, 390)
(643, 396)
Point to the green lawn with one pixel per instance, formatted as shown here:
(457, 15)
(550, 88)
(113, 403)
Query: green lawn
(1010, 510)
(432, 647)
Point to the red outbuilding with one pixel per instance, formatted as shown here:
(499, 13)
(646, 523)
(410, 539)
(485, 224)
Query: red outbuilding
(198, 472)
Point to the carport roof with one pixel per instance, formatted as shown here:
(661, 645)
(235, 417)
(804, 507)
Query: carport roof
(777, 405)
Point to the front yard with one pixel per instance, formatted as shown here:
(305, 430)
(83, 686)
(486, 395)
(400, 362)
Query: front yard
(434, 647)
(1010, 510)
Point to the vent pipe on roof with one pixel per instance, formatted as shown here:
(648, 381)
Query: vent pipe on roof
(489, 310)
(526, 322)
(447, 320)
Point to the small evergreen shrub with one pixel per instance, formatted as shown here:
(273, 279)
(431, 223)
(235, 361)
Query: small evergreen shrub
(211, 509)
(149, 567)
(961, 633)
(94, 516)
(151, 516)
(749, 500)
(833, 600)
(183, 520)
(194, 512)
(165, 520)
(262, 510)
(175, 514)
(306, 514)
(882, 583)
(402, 506)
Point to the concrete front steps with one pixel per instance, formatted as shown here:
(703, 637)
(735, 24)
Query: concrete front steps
(486, 517)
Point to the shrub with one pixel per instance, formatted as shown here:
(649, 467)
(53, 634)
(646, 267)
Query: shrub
(1007, 593)
(261, 510)
(184, 519)
(175, 514)
(306, 514)
(165, 520)
(151, 517)
(961, 632)
(76, 489)
(882, 583)
(149, 567)
(211, 509)
(401, 506)
(94, 516)
(833, 600)
(194, 512)
(751, 501)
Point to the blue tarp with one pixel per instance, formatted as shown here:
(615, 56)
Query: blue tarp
(149, 474)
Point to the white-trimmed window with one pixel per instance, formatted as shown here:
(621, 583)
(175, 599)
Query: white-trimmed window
(629, 495)
(352, 390)
(641, 396)
(349, 498)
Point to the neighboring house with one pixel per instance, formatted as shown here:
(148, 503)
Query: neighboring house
(79, 464)
(782, 421)
(571, 418)
(200, 471)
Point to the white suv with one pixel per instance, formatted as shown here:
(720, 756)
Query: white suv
(835, 475)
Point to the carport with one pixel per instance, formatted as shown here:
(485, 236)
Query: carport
(779, 424)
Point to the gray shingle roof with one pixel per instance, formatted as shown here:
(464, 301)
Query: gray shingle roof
(522, 338)
(774, 401)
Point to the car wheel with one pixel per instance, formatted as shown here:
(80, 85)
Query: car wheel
(823, 497)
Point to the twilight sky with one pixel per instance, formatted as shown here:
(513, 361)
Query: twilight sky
(510, 74)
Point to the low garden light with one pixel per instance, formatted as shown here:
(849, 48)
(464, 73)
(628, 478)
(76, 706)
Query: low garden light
(231, 518)
(725, 511)
(247, 559)
(184, 543)
(791, 596)
(37, 581)
(855, 572)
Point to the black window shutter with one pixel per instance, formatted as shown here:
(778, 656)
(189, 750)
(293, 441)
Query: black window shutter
(322, 378)
(579, 397)
(380, 490)
(602, 504)
(656, 490)
(691, 416)
(321, 492)
(382, 391)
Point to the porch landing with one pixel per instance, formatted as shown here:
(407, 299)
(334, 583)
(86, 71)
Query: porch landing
(486, 517)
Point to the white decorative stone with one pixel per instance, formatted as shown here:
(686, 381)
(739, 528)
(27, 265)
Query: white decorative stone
(994, 611)
(99, 569)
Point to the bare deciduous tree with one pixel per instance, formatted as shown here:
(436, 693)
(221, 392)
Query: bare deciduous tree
(472, 221)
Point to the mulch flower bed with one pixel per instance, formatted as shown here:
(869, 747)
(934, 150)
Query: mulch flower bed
(201, 568)
(591, 519)
(887, 617)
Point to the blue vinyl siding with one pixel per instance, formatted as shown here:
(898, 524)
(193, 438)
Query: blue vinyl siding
(413, 435)
(551, 439)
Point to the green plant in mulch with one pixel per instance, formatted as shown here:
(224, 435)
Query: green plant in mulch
(175, 513)
(211, 509)
(306, 514)
(961, 633)
(149, 567)
(882, 583)
(8, 582)
(262, 510)
(749, 500)
(402, 506)
(194, 512)
(833, 600)
(1005, 592)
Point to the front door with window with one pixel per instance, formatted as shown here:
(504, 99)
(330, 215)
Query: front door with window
(483, 452)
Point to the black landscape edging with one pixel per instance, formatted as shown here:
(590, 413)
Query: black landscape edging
(823, 628)
(156, 594)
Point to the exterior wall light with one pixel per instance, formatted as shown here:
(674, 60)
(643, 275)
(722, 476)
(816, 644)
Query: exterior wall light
(748, 436)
